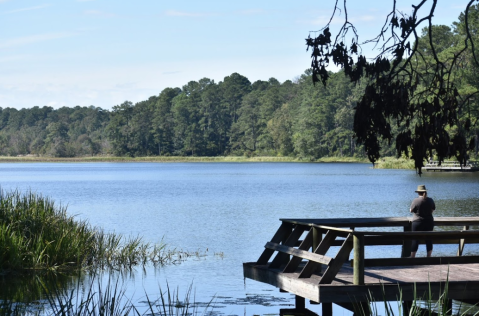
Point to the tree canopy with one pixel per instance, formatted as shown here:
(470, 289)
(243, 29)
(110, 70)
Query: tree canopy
(419, 91)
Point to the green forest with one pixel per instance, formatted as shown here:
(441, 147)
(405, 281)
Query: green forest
(235, 116)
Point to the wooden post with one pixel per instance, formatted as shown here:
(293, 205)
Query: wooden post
(406, 308)
(327, 309)
(300, 302)
(460, 249)
(317, 237)
(406, 244)
(358, 244)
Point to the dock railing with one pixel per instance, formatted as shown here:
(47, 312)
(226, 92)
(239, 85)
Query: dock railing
(309, 254)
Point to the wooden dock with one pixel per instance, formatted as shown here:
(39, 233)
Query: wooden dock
(452, 166)
(296, 261)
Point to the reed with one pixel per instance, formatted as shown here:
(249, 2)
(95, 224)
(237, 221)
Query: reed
(423, 305)
(36, 235)
(109, 298)
(97, 299)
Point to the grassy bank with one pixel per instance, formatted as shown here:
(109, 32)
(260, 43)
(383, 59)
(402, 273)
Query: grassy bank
(38, 235)
(178, 159)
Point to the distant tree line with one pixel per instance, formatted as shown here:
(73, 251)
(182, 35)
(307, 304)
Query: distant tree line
(203, 118)
(236, 117)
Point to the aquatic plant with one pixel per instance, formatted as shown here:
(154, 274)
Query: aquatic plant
(36, 235)
(109, 298)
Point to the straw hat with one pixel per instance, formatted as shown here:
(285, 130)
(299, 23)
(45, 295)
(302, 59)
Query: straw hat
(421, 188)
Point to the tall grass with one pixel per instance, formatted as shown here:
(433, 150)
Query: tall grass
(109, 298)
(36, 235)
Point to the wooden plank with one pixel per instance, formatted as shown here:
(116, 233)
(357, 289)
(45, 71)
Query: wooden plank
(389, 262)
(341, 231)
(307, 288)
(323, 247)
(295, 261)
(353, 222)
(280, 259)
(283, 231)
(390, 292)
(341, 257)
(381, 221)
(433, 235)
(298, 253)
(391, 241)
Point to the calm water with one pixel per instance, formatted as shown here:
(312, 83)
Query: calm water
(229, 211)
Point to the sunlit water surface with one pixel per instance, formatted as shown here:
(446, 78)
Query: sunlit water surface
(229, 211)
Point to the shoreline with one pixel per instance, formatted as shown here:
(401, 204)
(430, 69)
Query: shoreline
(171, 159)
(383, 163)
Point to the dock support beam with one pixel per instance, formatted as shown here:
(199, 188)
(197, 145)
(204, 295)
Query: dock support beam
(358, 244)
(460, 249)
(327, 309)
(406, 246)
(299, 302)
(317, 238)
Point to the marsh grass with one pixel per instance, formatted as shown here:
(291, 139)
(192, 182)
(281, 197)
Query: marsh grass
(394, 163)
(38, 235)
(109, 298)
(97, 299)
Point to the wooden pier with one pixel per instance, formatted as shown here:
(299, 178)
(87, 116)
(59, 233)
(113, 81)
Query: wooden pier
(452, 166)
(296, 260)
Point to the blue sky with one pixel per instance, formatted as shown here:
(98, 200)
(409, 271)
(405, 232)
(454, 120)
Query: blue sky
(103, 52)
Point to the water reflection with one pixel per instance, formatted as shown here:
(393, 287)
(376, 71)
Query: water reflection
(31, 286)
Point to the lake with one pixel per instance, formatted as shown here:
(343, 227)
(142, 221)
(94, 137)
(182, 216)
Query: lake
(229, 211)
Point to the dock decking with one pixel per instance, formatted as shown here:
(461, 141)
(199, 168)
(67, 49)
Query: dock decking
(452, 166)
(289, 262)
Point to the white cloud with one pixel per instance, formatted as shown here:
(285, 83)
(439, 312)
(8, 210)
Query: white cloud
(29, 8)
(20, 41)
